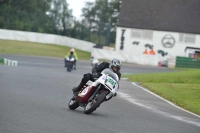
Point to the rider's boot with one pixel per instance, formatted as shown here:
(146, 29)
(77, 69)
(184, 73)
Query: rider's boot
(75, 92)
(77, 89)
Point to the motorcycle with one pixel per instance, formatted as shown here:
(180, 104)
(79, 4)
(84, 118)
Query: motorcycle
(93, 94)
(70, 63)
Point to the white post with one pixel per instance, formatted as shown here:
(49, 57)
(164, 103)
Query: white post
(5, 61)
(14, 63)
(9, 62)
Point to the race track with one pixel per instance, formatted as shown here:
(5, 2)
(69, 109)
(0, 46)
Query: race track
(34, 97)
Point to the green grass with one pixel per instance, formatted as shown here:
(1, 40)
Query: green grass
(38, 49)
(181, 87)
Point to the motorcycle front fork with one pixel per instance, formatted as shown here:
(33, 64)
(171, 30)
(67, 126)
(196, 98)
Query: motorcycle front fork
(96, 91)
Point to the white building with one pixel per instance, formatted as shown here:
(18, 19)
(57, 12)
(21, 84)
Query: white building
(149, 28)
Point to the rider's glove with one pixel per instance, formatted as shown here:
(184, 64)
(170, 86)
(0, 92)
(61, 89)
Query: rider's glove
(95, 75)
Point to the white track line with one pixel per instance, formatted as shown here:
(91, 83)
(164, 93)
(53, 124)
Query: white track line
(165, 114)
(166, 100)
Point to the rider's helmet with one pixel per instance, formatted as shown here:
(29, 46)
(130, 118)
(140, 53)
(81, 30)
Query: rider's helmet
(115, 65)
(92, 56)
(71, 50)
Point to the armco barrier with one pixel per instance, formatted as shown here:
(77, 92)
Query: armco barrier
(125, 57)
(187, 62)
(46, 39)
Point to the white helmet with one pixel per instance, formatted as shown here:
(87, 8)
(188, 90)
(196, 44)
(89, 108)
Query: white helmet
(72, 50)
(115, 63)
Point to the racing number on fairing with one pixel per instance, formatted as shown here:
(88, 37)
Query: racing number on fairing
(111, 81)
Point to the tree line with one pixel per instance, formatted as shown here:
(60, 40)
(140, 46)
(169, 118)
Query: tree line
(98, 24)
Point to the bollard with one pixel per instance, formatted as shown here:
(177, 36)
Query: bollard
(9, 62)
(14, 63)
(5, 61)
(1, 60)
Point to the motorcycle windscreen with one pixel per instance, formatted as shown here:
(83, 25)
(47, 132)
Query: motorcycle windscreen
(111, 74)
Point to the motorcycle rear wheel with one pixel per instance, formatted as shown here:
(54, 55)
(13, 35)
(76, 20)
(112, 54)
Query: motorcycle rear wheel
(73, 104)
(95, 103)
(69, 67)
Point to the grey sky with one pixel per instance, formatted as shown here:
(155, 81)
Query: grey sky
(76, 6)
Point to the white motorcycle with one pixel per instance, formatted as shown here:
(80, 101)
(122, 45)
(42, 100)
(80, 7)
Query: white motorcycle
(94, 93)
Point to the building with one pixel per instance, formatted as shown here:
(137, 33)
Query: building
(150, 31)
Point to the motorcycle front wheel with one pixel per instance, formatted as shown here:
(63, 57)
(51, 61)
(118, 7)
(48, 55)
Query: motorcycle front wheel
(95, 103)
(73, 104)
(68, 69)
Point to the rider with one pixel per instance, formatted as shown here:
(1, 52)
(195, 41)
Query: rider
(91, 59)
(114, 65)
(94, 60)
(71, 53)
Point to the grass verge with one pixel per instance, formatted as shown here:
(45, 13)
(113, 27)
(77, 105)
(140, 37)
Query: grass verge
(38, 49)
(181, 88)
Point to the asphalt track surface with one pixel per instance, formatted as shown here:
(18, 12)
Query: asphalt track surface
(34, 97)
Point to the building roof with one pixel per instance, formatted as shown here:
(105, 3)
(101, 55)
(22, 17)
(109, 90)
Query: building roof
(165, 15)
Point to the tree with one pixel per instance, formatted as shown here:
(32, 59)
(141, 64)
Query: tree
(50, 16)
(24, 15)
(102, 18)
(54, 16)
